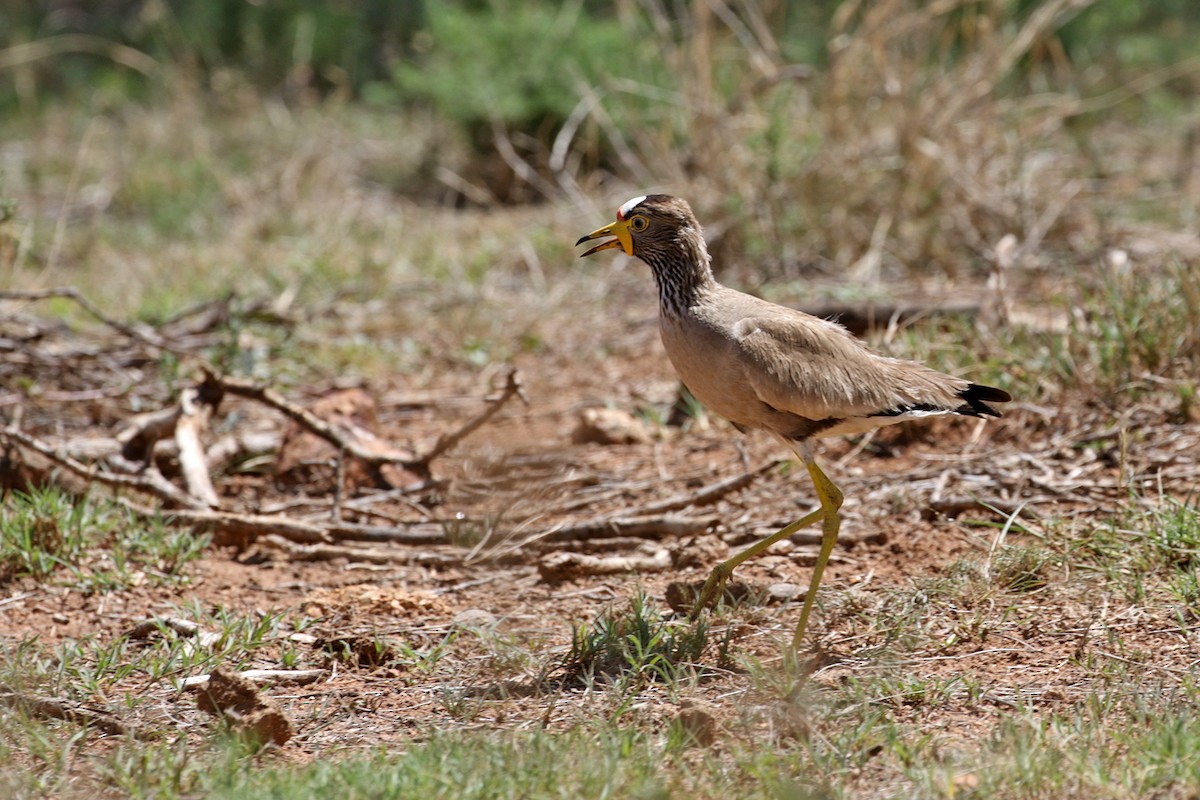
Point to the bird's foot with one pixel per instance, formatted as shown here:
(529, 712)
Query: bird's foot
(712, 589)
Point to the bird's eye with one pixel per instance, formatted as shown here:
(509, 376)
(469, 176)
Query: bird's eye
(639, 223)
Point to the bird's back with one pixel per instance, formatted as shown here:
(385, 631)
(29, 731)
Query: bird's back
(763, 365)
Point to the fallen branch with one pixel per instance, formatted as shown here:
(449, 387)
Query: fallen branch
(371, 555)
(330, 433)
(244, 528)
(71, 293)
(556, 567)
(150, 481)
(307, 420)
(68, 712)
(143, 431)
(512, 387)
(292, 677)
(709, 494)
(239, 446)
(249, 527)
(193, 418)
(644, 526)
(605, 545)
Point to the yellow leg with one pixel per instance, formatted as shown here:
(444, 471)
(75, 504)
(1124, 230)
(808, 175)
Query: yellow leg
(721, 572)
(831, 500)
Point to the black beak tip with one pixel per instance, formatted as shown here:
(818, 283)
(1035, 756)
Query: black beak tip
(582, 239)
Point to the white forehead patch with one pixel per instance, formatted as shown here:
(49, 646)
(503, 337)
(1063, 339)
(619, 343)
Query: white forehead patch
(629, 206)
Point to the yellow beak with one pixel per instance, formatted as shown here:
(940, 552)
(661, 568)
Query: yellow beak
(619, 229)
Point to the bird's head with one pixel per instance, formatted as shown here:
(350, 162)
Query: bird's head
(647, 226)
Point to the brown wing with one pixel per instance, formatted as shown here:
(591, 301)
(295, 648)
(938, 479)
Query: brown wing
(815, 369)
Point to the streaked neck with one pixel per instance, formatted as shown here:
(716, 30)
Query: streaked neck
(682, 275)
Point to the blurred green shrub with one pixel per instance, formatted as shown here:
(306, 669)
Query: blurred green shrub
(524, 64)
(313, 44)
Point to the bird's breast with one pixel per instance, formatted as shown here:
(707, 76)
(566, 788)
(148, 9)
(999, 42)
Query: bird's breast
(703, 357)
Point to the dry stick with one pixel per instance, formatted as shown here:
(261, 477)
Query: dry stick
(150, 482)
(518, 165)
(296, 677)
(51, 46)
(141, 433)
(708, 494)
(60, 709)
(72, 293)
(565, 566)
(335, 512)
(605, 545)
(371, 555)
(318, 426)
(192, 462)
(305, 418)
(416, 533)
(253, 526)
(648, 525)
(512, 386)
(651, 519)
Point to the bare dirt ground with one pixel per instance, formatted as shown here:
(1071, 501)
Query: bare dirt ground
(467, 627)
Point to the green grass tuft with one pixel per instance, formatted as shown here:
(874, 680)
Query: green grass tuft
(100, 545)
(635, 645)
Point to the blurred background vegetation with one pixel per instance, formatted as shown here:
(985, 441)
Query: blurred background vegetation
(880, 134)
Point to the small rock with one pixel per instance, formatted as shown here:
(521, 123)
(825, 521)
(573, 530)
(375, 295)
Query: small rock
(696, 723)
(609, 426)
(699, 551)
(233, 698)
(783, 592)
(682, 595)
(473, 618)
(782, 547)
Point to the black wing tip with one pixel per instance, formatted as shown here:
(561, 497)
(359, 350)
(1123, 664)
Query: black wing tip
(978, 396)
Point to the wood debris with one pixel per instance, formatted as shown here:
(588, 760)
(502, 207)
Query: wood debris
(236, 700)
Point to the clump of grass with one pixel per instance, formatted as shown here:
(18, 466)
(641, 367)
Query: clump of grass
(1174, 533)
(1136, 328)
(1021, 568)
(1123, 336)
(98, 543)
(45, 529)
(635, 644)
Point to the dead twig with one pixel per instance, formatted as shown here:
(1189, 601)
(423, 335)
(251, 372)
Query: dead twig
(246, 528)
(242, 527)
(70, 292)
(293, 677)
(709, 494)
(68, 712)
(556, 567)
(644, 526)
(512, 387)
(149, 482)
(193, 419)
(330, 433)
(252, 390)
(139, 436)
(370, 555)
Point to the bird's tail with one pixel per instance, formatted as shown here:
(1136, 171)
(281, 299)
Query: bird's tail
(977, 397)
